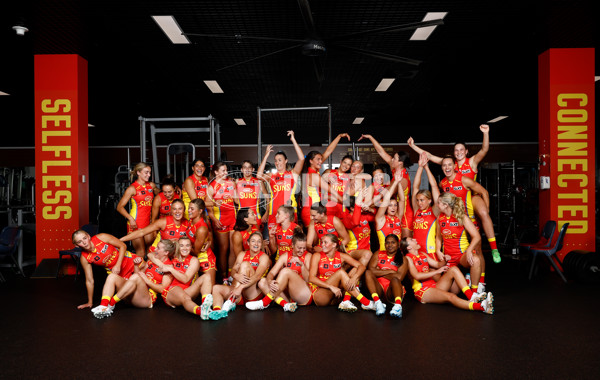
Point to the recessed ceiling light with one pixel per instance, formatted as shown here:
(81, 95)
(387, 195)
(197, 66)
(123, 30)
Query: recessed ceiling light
(385, 84)
(596, 79)
(421, 34)
(171, 29)
(497, 119)
(358, 120)
(213, 86)
(91, 125)
(3, 93)
(240, 121)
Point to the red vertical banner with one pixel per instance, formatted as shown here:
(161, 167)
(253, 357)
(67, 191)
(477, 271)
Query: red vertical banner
(567, 143)
(61, 151)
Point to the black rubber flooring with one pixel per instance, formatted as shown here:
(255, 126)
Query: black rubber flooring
(541, 329)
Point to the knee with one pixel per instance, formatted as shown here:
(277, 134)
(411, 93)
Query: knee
(284, 272)
(262, 283)
(366, 255)
(369, 274)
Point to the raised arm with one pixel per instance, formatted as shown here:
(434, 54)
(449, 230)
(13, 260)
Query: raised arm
(485, 147)
(333, 144)
(430, 157)
(386, 157)
(380, 216)
(299, 153)
(261, 168)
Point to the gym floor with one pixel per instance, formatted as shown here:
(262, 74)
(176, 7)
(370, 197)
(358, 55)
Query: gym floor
(541, 328)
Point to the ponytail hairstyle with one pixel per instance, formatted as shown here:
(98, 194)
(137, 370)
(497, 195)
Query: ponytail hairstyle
(403, 247)
(215, 167)
(76, 233)
(198, 202)
(456, 204)
(298, 236)
(138, 167)
(289, 210)
(404, 158)
(170, 247)
(310, 156)
(334, 239)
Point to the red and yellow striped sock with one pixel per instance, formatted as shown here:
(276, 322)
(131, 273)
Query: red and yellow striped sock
(362, 299)
(105, 301)
(280, 301)
(468, 292)
(203, 297)
(346, 297)
(114, 300)
(197, 310)
(375, 297)
(482, 278)
(216, 307)
(267, 300)
(475, 306)
(398, 301)
(492, 242)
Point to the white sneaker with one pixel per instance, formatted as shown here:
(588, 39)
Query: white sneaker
(347, 306)
(290, 306)
(103, 312)
(215, 315)
(488, 304)
(478, 297)
(379, 308)
(206, 306)
(468, 278)
(481, 288)
(255, 305)
(228, 306)
(396, 311)
(97, 308)
(370, 306)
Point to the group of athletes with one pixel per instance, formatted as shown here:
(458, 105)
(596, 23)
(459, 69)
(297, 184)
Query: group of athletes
(209, 239)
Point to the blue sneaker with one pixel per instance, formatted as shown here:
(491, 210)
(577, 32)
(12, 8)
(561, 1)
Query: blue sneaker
(215, 315)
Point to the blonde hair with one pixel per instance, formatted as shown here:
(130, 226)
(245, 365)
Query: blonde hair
(138, 167)
(177, 254)
(170, 247)
(456, 204)
(78, 232)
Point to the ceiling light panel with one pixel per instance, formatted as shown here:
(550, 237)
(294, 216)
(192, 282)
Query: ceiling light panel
(213, 86)
(239, 121)
(385, 84)
(358, 120)
(421, 34)
(3, 93)
(171, 29)
(497, 119)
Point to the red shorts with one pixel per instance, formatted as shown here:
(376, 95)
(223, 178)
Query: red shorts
(384, 282)
(242, 300)
(426, 285)
(407, 221)
(337, 210)
(141, 223)
(305, 216)
(207, 260)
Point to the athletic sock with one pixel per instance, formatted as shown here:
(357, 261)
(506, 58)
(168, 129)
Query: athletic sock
(280, 301)
(105, 301)
(482, 278)
(468, 292)
(216, 307)
(267, 300)
(197, 310)
(492, 242)
(475, 306)
(203, 297)
(114, 300)
(398, 301)
(362, 299)
(346, 297)
(375, 297)
(474, 287)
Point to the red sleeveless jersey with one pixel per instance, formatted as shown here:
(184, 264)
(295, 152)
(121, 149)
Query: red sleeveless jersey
(141, 204)
(422, 266)
(454, 237)
(154, 273)
(294, 265)
(284, 238)
(248, 193)
(200, 186)
(357, 224)
(182, 266)
(283, 192)
(174, 231)
(338, 185)
(387, 262)
(327, 266)
(106, 255)
(424, 230)
(323, 229)
(253, 260)
(392, 225)
(224, 209)
(165, 204)
(466, 169)
(246, 236)
(193, 229)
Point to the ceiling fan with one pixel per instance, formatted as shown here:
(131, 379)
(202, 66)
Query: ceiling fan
(316, 47)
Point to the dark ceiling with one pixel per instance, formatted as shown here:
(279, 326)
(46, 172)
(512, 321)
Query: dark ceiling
(480, 64)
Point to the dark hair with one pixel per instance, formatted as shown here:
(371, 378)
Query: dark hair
(318, 207)
(399, 256)
(240, 223)
(404, 158)
(311, 155)
(288, 210)
(258, 233)
(403, 244)
(448, 156)
(348, 156)
(216, 166)
(281, 152)
(298, 236)
(248, 162)
(198, 160)
(178, 200)
(351, 201)
(460, 143)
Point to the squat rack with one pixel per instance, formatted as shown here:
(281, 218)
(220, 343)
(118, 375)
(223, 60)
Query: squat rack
(261, 110)
(214, 131)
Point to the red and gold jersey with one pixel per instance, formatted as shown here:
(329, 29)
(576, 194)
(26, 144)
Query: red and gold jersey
(454, 237)
(387, 262)
(392, 225)
(106, 255)
(407, 216)
(141, 204)
(182, 266)
(313, 193)
(249, 194)
(174, 231)
(200, 186)
(378, 189)
(457, 188)
(327, 266)
(224, 208)
(422, 266)
(466, 169)
(193, 229)
(165, 204)
(294, 265)
(359, 230)
(284, 238)
(253, 260)
(154, 273)
(322, 229)
(424, 230)
(283, 192)
(337, 182)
